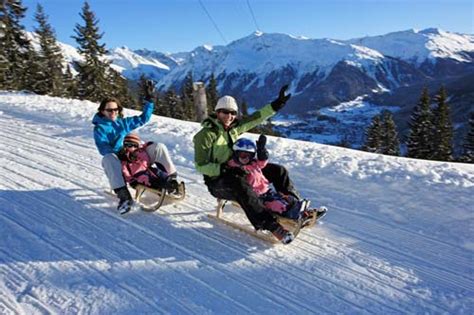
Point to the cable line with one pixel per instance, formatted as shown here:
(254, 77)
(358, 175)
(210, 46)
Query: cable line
(213, 22)
(253, 16)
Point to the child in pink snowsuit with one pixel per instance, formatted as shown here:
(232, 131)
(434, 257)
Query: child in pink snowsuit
(244, 158)
(138, 168)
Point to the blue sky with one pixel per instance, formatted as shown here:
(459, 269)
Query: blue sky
(182, 25)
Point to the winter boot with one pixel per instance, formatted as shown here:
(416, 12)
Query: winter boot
(321, 212)
(283, 235)
(172, 184)
(125, 200)
(310, 216)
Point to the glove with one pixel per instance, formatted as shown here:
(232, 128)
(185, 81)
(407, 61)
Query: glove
(281, 100)
(226, 170)
(149, 90)
(122, 154)
(262, 153)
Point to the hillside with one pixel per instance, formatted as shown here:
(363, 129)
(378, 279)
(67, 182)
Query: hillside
(397, 240)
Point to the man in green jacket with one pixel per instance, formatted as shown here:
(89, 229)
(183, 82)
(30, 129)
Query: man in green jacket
(213, 148)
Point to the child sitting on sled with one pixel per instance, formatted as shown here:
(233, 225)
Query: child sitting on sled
(252, 159)
(138, 167)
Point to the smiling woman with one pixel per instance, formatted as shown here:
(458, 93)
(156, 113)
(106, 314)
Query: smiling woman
(110, 130)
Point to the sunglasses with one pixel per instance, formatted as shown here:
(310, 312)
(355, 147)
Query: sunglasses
(226, 112)
(110, 110)
(130, 145)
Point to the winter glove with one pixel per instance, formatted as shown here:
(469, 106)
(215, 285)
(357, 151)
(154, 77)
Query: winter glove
(149, 90)
(281, 100)
(262, 153)
(226, 170)
(122, 154)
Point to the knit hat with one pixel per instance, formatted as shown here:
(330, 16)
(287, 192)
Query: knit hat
(133, 138)
(227, 102)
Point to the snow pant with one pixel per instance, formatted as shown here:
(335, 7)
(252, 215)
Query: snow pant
(113, 166)
(279, 177)
(230, 187)
(158, 153)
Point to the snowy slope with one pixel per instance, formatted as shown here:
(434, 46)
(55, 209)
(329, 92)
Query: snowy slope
(398, 238)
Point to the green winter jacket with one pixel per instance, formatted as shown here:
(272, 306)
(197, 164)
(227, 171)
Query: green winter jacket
(213, 144)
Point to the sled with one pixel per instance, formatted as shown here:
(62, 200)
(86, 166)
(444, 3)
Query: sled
(291, 225)
(151, 199)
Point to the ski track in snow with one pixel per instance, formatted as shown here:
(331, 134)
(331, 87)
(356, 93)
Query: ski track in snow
(64, 249)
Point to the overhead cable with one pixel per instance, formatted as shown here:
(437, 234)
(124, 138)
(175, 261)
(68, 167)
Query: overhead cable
(213, 22)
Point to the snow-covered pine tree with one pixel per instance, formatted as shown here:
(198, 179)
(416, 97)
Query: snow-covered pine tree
(419, 140)
(390, 142)
(443, 129)
(212, 94)
(17, 57)
(468, 145)
(50, 77)
(373, 136)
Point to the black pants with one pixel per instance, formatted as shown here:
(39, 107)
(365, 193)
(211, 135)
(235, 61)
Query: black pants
(230, 187)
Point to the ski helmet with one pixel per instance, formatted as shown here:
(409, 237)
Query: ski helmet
(244, 148)
(244, 144)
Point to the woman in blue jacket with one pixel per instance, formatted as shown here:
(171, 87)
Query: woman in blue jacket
(110, 129)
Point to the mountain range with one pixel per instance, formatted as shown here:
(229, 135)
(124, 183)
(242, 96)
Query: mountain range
(386, 71)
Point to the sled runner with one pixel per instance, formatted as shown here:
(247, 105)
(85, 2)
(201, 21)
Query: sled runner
(151, 199)
(293, 226)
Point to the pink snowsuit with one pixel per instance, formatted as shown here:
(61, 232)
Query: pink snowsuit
(259, 182)
(138, 170)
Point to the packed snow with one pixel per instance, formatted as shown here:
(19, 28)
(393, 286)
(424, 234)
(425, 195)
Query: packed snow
(398, 238)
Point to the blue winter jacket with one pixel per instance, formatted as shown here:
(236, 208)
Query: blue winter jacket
(108, 134)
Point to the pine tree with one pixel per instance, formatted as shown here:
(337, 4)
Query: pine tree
(390, 143)
(50, 77)
(16, 53)
(69, 83)
(468, 145)
(211, 94)
(3, 51)
(187, 111)
(373, 136)
(244, 108)
(420, 139)
(170, 102)
(443, 129)
(93, 82)
(141, 91)
(118, 87)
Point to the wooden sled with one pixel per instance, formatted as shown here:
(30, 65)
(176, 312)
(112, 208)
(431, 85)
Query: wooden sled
(290, 225)
(157, 197)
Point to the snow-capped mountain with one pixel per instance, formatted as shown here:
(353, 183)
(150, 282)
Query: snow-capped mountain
(386, 70)
(418, 46)
(133, 65)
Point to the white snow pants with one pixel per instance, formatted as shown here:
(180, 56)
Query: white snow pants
(112, 166)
